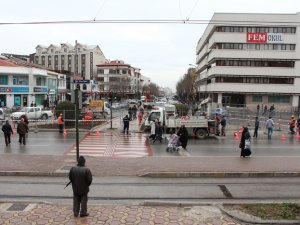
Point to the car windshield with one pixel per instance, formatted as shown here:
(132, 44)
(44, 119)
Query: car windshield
(26, 110)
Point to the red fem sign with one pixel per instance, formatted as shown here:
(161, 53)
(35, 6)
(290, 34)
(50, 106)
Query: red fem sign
(264, 37)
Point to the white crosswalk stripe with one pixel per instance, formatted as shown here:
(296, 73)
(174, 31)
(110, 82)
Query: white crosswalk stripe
(116, 146)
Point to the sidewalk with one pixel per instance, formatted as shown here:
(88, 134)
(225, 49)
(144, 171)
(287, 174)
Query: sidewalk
(42, 213)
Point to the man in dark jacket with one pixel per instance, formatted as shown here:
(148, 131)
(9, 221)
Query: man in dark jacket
(126, 120)
(22, 129)
(81, 178)
(7, 130)
(183, 136)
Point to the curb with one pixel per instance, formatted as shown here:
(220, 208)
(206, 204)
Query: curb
(34, 173)
(255, 220)
(219, 174)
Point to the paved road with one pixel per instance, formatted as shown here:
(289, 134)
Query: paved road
(136, 145)
(129, 190)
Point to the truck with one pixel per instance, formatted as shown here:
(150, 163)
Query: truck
(99, 108)
(32, 113)
(199, 126)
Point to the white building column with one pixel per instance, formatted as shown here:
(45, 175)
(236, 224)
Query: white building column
(295, 101)
(220, 100)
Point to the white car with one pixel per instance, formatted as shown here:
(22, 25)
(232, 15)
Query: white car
(32, 113)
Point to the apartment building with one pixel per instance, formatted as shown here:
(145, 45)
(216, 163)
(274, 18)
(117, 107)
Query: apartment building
(250, 59)
(119, 77)
(80, 59)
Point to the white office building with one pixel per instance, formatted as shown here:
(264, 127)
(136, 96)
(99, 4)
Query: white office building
(250, 59)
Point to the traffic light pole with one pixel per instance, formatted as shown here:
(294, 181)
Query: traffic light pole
(76, 123)
(111, 100)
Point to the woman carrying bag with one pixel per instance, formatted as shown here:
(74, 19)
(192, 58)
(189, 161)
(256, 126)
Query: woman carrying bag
(245, 144)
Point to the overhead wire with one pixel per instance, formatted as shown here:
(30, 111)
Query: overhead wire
(180, 11)
(171, 21)
(100, 8)
(195, 5)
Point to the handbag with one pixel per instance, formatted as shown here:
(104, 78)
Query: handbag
(247, 144)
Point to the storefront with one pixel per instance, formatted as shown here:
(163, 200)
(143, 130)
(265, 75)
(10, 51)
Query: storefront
(40, 93)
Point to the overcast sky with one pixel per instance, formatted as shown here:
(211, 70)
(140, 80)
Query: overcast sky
(163, 52)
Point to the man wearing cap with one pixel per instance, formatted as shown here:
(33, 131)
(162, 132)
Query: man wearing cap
(60, 122)
(80, 178)
(7, 130)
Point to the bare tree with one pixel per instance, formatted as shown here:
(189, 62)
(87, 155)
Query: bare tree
(186, 86)
(152, 89)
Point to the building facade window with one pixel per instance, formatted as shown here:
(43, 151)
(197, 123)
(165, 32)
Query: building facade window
(41, 81)
(268, 47)
(279, 99)
(100, 71)
(256, 98)
(3, 79)
(255, 63)
(254, 80)
(287, 30)
(20, 80)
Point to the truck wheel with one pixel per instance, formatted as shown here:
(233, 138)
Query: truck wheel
(44, 117)
(201, 133)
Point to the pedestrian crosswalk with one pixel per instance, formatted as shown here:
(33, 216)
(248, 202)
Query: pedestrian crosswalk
(111, 145)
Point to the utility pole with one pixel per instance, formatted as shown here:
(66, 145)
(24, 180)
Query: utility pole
(76, 123)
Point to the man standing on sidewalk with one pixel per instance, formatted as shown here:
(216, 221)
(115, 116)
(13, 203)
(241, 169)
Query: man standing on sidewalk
(7, 130)
(81, 178)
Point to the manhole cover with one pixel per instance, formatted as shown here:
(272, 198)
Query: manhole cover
(17, 207)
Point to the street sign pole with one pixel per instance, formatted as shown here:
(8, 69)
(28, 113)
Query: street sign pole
(76, 123)
(111, 101)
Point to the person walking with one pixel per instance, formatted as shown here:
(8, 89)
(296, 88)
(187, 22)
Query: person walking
(152, 131)
(60, 122)
(130, 111)
(245, 143)
(81, 179)
(256, 126)
(265, 109)
(7, 130)
(292, 124)
(183, 136)
(134, 111)
(158, 132)
(258, 108)
(223, 124)
(140, 118)
(298, 125)
(22, 129)
(25, 118)
(270, 126)
(126, 121)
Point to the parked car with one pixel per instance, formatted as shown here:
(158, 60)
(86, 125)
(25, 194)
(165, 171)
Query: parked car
(132, 103)
(32, 113)
(219, 111)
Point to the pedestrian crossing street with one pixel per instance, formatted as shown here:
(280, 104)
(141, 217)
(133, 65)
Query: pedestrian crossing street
(113, 145)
